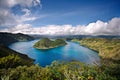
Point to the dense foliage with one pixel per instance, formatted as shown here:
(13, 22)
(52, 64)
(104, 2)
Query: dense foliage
(10, 58)
(10, 61)
(46, 43)
(107, 48)
(56, 71)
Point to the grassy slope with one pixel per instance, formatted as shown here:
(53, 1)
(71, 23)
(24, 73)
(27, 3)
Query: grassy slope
(107, 48)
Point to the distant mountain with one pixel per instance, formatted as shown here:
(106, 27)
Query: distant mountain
(8, 38)
(75, 36)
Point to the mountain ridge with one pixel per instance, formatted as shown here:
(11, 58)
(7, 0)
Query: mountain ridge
(9, 38)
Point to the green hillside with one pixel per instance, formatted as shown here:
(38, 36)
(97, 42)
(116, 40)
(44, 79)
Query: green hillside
(10, 58)
(9, 38)
(107, 48)
(46, 43)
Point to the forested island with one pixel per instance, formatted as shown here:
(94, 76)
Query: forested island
(46, 43)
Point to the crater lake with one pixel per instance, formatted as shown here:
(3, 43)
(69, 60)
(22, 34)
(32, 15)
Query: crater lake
(71, 51)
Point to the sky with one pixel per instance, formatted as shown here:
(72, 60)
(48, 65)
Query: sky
(60, 17)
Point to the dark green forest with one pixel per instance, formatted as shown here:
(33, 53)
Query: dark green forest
(9, 38)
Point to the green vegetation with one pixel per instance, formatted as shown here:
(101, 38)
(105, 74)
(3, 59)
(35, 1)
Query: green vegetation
(56, 71)
(107, 48)
(8, 38)
(15, 66)
(11, 59)
(46, 43)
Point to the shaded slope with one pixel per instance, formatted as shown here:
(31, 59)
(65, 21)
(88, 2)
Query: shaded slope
(6, 53)
(8, 38)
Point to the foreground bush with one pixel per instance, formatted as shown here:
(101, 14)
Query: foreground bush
(56, 71)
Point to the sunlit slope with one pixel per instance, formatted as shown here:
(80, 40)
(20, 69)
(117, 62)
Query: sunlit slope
(107, 48)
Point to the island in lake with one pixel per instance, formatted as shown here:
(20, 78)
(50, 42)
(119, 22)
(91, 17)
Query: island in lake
(46, 43)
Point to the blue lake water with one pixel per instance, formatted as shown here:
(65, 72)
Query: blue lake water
(69, 52)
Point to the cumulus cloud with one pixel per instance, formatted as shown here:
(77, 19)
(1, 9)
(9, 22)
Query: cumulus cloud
(8, 18)
(27, 12)
(17, 29)
(111, 27)
(26, 16)
(37, 2)
(22, 3)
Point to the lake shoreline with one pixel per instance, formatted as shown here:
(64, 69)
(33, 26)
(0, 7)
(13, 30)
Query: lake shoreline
(86, 46)
(47, 56)
(89, 48)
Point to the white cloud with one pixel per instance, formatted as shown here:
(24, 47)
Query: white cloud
(26, 16)
(111, 27)
(17, 29)
(37, 2)
(97, 27)
(27, 12)
(7, 18)
(22, 3)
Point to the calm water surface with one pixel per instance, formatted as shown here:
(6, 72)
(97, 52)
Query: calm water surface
(69, 52)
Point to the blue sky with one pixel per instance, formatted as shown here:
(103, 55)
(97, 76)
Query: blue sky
(77, 11)
(72, 11)
(39, 13)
